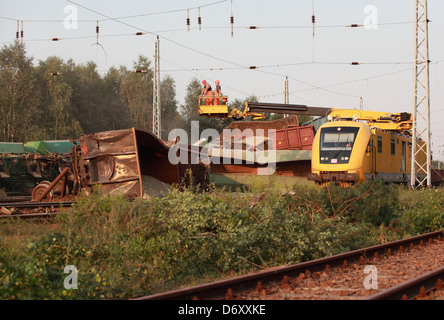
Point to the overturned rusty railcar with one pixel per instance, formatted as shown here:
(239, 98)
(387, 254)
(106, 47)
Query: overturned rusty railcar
(133, 162)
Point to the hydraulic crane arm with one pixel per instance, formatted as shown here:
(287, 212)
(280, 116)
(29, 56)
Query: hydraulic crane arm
(298, 109)
(399, 122)
(218, 107)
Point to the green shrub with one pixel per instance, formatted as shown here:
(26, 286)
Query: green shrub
(371, 202)
(423, 210)
(124, 249)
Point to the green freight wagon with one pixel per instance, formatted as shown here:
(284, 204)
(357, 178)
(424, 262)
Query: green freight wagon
(48, 147)
(18, 172)
(23, 166)
(12, 148)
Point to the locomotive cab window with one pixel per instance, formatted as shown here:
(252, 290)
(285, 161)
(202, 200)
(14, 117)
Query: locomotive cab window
(337, 143)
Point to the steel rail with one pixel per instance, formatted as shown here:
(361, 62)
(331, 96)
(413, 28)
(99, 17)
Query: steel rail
(413, 288)
(217, 290)
(31, 215)
(16, 199)
(36, 204)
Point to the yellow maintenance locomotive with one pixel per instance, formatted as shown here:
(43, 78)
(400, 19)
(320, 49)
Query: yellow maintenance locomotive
(360, 145)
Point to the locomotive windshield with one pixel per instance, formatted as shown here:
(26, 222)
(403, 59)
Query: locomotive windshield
(337, 143)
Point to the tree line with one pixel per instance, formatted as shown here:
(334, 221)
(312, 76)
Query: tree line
(55, 99)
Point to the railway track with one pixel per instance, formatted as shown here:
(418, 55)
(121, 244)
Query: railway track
(28, 209)
(403, 269)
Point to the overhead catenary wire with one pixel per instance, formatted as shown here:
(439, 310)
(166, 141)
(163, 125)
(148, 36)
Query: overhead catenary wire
(355, 80)
(239, 67)
(236, 66)
(292, 64)
(206, 54)
(154, 34)
(122, 17)
(195, 72)
(251, 27)
(97, 43)
(256, 68)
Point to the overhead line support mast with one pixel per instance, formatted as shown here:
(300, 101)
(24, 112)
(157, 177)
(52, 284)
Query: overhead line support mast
(421, 98)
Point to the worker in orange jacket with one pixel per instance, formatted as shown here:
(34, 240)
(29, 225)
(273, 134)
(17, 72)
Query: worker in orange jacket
(207, 91)
(217, 93)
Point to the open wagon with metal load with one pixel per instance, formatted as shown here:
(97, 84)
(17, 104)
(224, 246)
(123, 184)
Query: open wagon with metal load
(277, 151)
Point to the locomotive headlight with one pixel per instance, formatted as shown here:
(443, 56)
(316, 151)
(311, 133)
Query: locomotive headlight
(342, 158)
(346, 158)
(322, 159)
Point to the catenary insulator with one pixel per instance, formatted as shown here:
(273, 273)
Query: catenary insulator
(188, 19)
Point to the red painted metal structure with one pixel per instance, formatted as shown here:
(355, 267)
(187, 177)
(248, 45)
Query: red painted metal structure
(295, 138)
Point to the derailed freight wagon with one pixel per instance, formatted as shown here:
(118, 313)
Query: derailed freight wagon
(132, 162)
(270, 152)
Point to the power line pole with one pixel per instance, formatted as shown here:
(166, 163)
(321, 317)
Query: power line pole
(157, 129)
(421, 154)
(286, 93)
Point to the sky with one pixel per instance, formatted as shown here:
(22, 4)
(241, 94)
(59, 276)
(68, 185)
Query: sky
(317, 64)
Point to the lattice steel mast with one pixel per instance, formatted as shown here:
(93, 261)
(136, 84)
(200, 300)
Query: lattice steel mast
(421, 154)
(157, 129)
